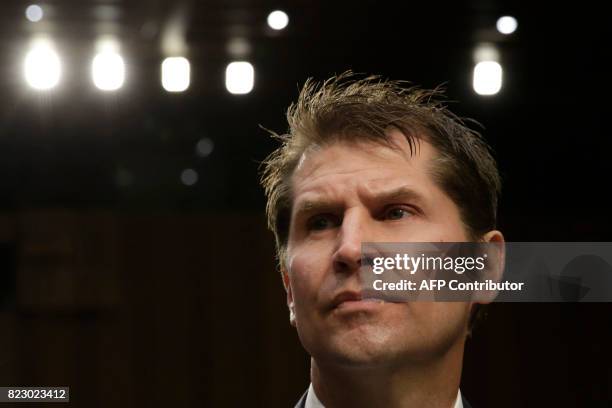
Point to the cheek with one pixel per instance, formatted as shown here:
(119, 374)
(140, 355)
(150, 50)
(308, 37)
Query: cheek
(446, 227)
(438, 320)
(451, 223)
(306, 274)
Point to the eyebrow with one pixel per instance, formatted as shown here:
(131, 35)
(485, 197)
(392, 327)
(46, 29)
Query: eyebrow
(400, 193)
(403, 192)
(314, 206)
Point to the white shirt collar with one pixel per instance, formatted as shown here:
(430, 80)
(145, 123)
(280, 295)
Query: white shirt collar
(312, 401)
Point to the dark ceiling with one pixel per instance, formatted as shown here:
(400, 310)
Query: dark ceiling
(77, 147)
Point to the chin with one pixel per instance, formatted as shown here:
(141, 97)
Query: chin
(376, 348)
(359, 348)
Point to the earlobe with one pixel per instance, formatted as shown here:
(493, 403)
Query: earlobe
(290, 305)
(291, 314)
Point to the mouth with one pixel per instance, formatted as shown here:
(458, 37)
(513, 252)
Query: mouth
(356, 301)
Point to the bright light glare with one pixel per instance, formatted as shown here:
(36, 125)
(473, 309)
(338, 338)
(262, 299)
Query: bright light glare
(507, 25)
(108, 71)
(277, 20)
(486, 52)
(487, 78)
(42, 67)
(175, 74)
(238, 47)
(34, 13)
(239, 77)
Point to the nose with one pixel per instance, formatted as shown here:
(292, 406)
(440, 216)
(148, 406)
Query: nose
(353, 231)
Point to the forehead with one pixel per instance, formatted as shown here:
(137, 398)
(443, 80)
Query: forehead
(371, 165)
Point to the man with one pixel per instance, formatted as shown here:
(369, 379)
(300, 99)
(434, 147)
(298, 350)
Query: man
(366, 160)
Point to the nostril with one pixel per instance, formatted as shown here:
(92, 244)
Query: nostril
(342, 267)
(347, 261)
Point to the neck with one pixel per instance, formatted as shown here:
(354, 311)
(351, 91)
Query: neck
(429, 384)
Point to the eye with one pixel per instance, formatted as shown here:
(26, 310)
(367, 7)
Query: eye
(396, 213)
(322, 222)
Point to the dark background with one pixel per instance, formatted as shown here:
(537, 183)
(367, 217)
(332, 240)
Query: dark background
(136, 290)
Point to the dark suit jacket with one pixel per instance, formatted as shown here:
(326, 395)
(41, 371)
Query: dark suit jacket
(302, 402)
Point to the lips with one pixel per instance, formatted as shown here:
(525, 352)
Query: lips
(346, 297)
(354, 301)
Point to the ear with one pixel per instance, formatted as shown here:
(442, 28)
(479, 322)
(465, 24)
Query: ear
(290, 305)
(496, 237)
(497, 256)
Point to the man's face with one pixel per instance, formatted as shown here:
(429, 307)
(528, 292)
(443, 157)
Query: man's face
(346, 194)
